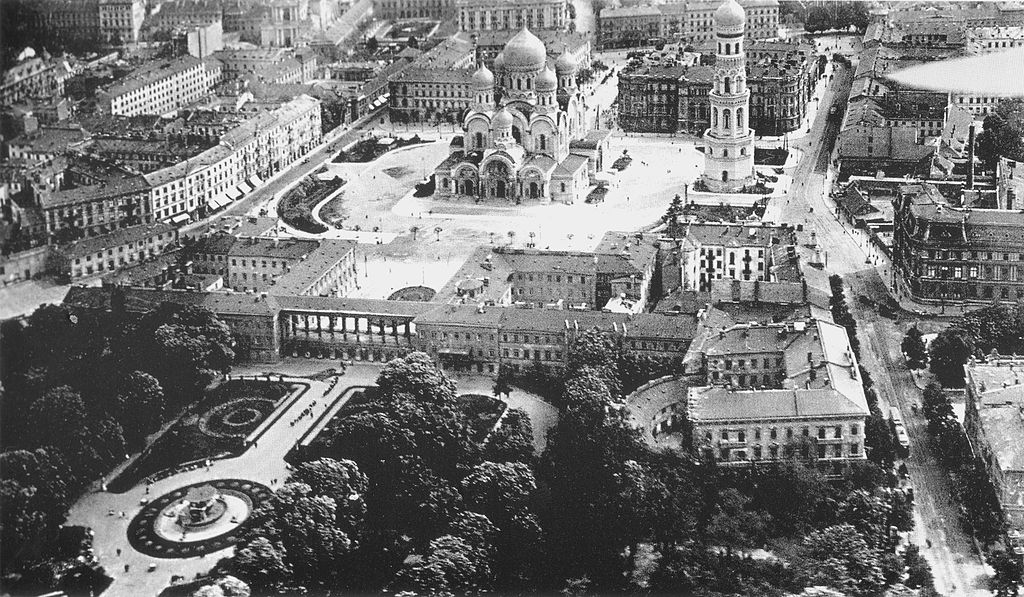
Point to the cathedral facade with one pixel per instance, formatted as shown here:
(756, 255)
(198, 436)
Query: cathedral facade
(729, 142)
(525, 134)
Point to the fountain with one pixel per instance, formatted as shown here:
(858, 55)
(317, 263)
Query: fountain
(203, 505)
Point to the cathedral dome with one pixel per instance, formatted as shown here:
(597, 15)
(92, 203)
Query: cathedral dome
(502, 120)
(565, 64)
(730, 15)
(525, 52)
(499, 61)
(483, 78)
(546, 80)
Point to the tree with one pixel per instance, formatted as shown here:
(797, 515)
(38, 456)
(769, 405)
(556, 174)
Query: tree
(341, 481)
(598, 352)
(56, 416)
(937, 407)
(914, 349)
(413, 42)
(512, 440)
(949, 351)
(838, 557)
(502, 383)
(1007, 573)
(1001, 135)
(261, 563)
(416, 376)
(414, 230)
(919, 572)
(140, 405)
(372, 45)
(474, 528)
(499, 491)
(437, 232)
(511, 236)
(732, 524)
(878, 439)
(672, 215)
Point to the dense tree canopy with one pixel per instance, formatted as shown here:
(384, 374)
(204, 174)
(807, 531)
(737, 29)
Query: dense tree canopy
(1002, 134)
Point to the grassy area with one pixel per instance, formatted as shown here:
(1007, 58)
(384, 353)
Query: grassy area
(295, 208)
(417, 29)
(186, 441)
(420, 294)
(367, 150)
(482, 414)
(770, 156)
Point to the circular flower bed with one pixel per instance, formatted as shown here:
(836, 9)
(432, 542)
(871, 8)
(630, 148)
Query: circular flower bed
(154, 530)
(237, 418)
(420, 294)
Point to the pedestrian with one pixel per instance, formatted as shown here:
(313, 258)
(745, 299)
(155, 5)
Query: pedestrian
(118, 552)
(147, 490)
(126, 566)
(123, 515)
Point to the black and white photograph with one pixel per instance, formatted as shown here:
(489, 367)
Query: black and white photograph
(525, 298)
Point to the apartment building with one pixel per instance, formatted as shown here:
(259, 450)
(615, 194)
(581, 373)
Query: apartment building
(186, 14)
(34, 78)
(160, 87)
(809, 404)
(995, 425)
(107, 252)
(512, 15)
(413, 9)
(121, 20)
(120, 199)
(946, 253)
(685, 22)
(729, 251)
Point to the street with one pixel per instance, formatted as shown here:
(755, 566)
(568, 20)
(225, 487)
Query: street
(956, 567)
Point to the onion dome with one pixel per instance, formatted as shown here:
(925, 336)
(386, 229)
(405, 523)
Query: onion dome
(730, 15)
(525, 52)
(565, 64)
(502, 120)
(483, 78)
(499, 61)
(546, 80)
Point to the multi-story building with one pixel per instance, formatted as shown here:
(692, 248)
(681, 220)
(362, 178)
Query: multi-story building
(537, 15)
(260, 147)
(413, 9)
(995, 426)
(161, 87)
(649, 97)
(107, 252)
(686, 22)
(120, 199)
(34, 78)
(810, 403)
(121, 20)
(986, 40)
(186, 14)
(943, 252)
(46, 143)
(73, 20)
(297, 267)
(729, 251)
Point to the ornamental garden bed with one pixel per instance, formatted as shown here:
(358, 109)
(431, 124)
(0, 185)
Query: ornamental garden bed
(367, 150)
(216, 425)
(420, 294)
(296, 207)
(770, 156)
(418, 29)
(482, 414)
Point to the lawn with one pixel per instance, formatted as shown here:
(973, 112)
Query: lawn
(421, 294)
(770, 157)
(295, 208)
(417, 29)
(216, 425)
(482, 414)
(367, 150)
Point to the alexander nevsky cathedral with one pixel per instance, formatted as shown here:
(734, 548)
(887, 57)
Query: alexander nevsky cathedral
(525, 134)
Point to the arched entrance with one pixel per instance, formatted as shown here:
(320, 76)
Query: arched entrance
(534, 190)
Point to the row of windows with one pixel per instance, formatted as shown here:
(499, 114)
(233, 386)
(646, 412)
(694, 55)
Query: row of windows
(742, 363)
(757, 452)
(740, 435)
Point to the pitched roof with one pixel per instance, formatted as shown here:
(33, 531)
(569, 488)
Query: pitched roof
(717, 403)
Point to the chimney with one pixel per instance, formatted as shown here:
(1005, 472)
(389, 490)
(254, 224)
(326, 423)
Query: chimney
(970, 157)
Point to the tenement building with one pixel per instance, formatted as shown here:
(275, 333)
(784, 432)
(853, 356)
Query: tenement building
(512, 15)
(160, 87)
(413, 9)
(946, 253)
(995, 425)
(729, 155)
(712, 252)
(689, 23)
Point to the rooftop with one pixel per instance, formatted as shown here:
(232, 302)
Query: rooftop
(118, 238)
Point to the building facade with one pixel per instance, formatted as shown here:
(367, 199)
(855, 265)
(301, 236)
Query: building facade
(108, 252)
(413, 9)
(943, 253)
(729, 157)
(690, 23)
(121, 20)
(512, 15)
(161, 87)
(729, 251)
